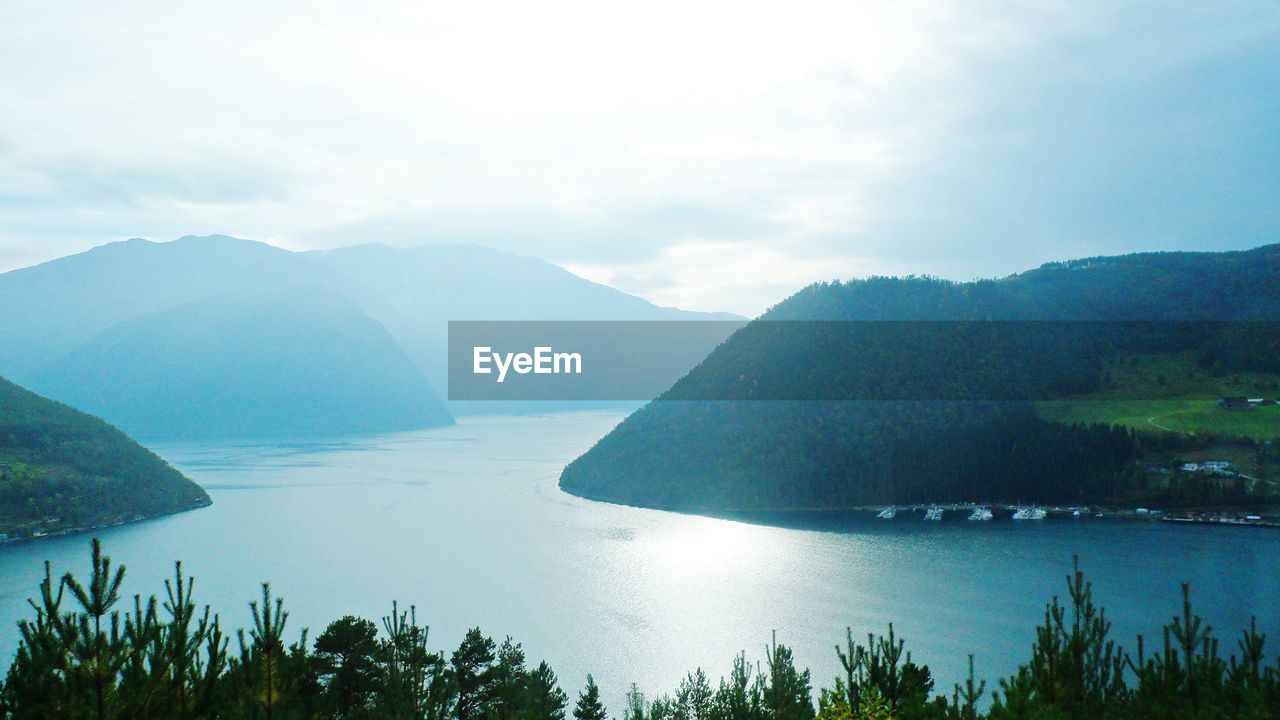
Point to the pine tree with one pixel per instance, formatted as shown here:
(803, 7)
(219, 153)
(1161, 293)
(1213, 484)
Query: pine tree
(635, 709)
(510, 679)
(472, 665)
(416, 682)
(543, 698)
(99, 655)
(269, 672)
(346, 659)
(36, 686)
(738, 697)
(694, 697)
(589, 706)
(787, 692)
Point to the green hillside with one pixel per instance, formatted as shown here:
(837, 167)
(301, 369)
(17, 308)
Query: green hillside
(1181, 415)
(952, 409)
(1172, 392)
(62, 470)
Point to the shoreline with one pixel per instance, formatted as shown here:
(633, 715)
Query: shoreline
(1234, 516)
(206, 502)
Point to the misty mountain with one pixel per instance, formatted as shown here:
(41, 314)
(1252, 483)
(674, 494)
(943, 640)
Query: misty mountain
(415, 292)
(874, 421)
(93, 328)
(51, 308)
(63, 470)
(289, 363)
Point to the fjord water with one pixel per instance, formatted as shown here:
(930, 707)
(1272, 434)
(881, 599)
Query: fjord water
(467, 523)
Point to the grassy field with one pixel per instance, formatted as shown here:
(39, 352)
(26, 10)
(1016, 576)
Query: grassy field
(1171, 392)
(1177, 414)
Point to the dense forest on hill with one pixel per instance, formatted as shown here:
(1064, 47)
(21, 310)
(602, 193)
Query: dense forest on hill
(82, 658)
(917, 390)
(61, 469)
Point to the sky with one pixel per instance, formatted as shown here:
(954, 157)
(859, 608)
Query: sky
(705, 155)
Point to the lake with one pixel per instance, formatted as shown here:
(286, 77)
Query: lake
(467, 523)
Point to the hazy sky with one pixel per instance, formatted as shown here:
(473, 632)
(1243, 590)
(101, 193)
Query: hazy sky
(709, 155)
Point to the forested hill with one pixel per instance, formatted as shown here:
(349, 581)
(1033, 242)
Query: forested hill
(63, 470)
(934, 441)
(1241, 285)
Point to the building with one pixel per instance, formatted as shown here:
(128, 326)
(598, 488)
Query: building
(1190, 467)
(1232, 402)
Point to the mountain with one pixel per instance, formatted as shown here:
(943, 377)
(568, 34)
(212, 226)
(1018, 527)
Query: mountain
(289, 363)
(63, 470)
(416, 291)
(77, 327)
(51, 308)
(811, 407)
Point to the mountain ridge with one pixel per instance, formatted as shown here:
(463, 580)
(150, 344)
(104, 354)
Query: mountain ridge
(58, 310)
(688, 454)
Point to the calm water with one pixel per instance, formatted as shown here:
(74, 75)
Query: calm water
(467, 523)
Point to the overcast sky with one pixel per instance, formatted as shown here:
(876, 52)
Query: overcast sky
(708, 155)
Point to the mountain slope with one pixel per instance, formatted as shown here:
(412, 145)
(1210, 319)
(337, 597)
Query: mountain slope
(931, 441)
(62, 470)
(278, 364)
(416, 291)
(59, 318)
(51, 308)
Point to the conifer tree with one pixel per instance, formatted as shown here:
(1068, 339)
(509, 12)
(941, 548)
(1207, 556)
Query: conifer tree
(738, 697)
(182, 641)
(787, 692)
(346, 660)
(417, 684)
(99, 654)
(589, 706)
(472, 665)
(269, 671)
(694, 697)
(635, 709)
(509, 681)
(36, 685)
(543, 698)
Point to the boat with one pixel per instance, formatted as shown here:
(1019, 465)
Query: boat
(1029, 513)
(933, 513)
(887, 513)
(980, 514)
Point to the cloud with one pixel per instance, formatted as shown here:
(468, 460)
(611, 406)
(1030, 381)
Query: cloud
(714, 153)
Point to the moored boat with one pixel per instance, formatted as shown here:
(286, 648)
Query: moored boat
(981, 514)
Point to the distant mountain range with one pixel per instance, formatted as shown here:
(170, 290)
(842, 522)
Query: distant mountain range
(218, 337)
(873, 420)
(290, 363)
(62, 470)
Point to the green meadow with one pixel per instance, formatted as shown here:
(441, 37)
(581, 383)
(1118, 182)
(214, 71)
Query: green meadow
(1176, 414)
